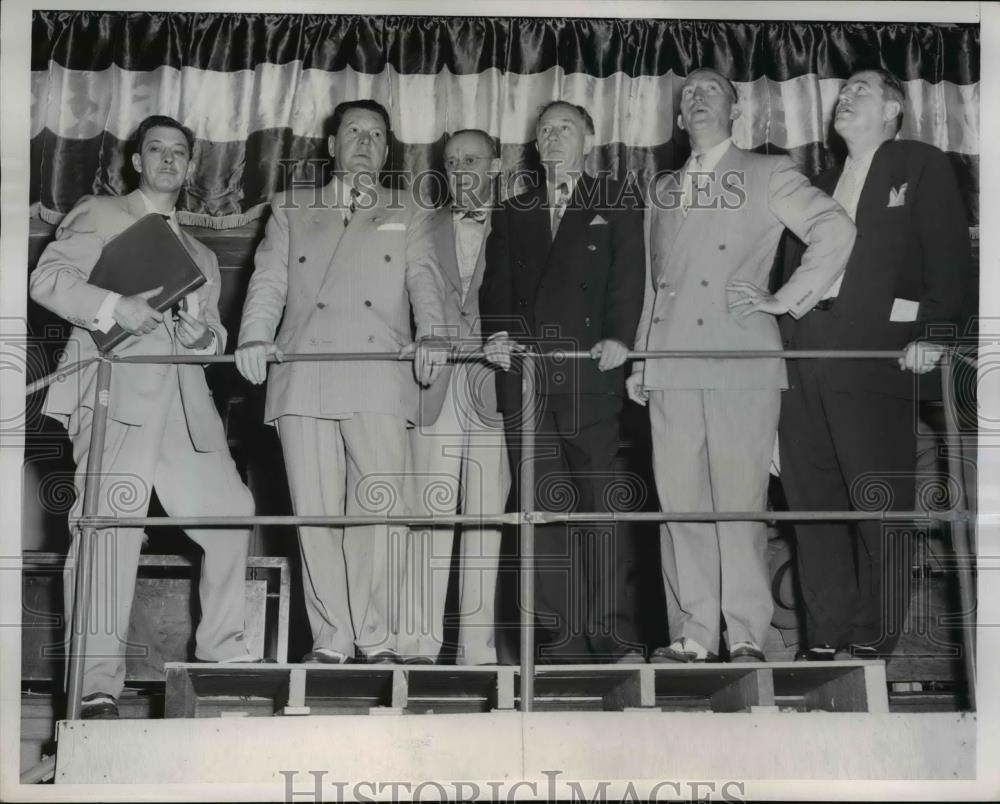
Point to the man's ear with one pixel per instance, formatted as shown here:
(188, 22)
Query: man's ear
(137, 163)
(735, 110)
(331, 141)
(892, 108)
(680, 121)
(588, 144)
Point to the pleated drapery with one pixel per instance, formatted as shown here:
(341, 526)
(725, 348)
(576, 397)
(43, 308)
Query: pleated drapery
(258, 90)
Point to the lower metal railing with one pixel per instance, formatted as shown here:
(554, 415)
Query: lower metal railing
(525, 519)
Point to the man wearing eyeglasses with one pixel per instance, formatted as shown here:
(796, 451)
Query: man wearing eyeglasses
(460, 461)
(564, 271)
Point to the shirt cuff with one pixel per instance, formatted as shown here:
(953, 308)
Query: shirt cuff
(105, 318)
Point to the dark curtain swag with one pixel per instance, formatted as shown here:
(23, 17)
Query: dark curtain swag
(258, 90)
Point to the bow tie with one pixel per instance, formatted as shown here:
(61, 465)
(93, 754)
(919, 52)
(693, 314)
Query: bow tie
(477, 215)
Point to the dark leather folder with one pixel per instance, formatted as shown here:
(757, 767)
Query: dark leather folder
(146, 255)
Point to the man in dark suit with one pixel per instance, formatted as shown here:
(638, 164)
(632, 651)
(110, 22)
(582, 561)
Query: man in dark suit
(564, 270)
(847, 431)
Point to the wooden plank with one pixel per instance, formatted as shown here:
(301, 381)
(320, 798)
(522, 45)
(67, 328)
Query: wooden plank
(400, 689)
(296, 692)
(632, 690)
(876, 689)
(844, 693)
(756, 688)
(504, 700)
(180, 699)
(284, 595)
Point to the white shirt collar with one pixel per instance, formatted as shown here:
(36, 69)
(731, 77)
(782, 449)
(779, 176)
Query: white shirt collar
(151, 209)
(712, 157)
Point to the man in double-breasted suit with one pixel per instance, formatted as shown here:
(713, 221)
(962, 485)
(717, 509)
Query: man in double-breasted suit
(340, 268)
(713, 231)
(564, 271)
(848, 427)
(163, 429)
(458, 444)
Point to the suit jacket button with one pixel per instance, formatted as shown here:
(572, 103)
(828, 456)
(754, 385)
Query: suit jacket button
(704, 283)
(522, 302)
(700, 322)
(591, 247)
(321, 305)
(656, 320)
(663, 285)
(302, 259)
(368, 303)
(388, 258)
(722, 246)
(371, 339)
(583, 286)
(586, 322)
(464, 314)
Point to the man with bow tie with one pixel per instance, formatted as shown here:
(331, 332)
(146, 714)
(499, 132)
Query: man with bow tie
(713, 231)
(564, 271)
(848, 428)
(341, 267)
(163, 430)
(460, 460)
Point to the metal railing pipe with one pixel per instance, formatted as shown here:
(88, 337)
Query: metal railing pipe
(526, 531)
(86, 558)
(960, 542)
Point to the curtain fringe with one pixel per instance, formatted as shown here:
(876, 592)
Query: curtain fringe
(54, 217)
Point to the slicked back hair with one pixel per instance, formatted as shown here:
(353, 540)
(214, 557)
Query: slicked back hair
(588, 121)
(725, 80)
(162, 121)
(344, 107)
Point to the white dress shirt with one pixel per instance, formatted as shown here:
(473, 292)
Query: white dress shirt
(847, 194)
(469, 236)
(698, 163)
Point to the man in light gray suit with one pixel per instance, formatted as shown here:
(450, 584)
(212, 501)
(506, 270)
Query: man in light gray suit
(713, 230)
(460, 457)
(341, 267)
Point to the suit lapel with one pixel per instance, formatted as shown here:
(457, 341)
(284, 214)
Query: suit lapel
(333, 235)
(444, 247)
(666, 225)
(477, 276)
(880, 178)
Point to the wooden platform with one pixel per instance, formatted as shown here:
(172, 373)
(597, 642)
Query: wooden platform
(257, 757)
(211, 690)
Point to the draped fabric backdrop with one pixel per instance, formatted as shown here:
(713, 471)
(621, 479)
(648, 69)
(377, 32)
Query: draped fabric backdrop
(258, 90)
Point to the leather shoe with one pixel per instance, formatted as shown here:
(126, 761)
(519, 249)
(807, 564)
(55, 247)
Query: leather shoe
(326, 656)
(677, 653)
(631, 656)
(383, 657)
(744, 652)
(418, 659)
(818, 653)
(99, 706)
(858, 652)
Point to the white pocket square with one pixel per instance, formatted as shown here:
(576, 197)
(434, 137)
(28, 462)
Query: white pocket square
(904, 310)
(598, 220)
(897, 197)
(392, 227)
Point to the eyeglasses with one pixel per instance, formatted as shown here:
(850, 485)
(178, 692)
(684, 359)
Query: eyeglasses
(468, 162)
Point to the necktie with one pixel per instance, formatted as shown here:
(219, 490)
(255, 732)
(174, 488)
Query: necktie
(352, 207)
(691, 180)
(559, 206)
(476, 215)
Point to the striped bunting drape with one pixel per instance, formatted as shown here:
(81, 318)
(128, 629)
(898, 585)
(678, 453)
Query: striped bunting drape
(258, 90)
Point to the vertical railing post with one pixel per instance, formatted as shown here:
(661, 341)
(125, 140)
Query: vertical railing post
(526, 530)
(85, 553)
(960, 542)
